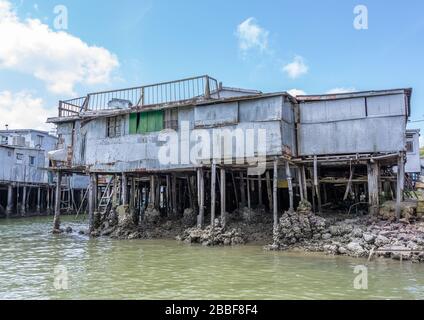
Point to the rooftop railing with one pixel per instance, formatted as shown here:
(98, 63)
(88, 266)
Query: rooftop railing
(177, 91)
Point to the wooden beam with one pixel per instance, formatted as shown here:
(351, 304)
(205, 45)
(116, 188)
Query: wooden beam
(213, 195)
(56, 220)
(290, 185)
(91, 202)
(299, 179)
(373, 187)
(400, 185)
(349, 183)
(242, 190)
(124, 189)
(201, 198)
(269, 190)
(259, 190)
(223, 197)
(274, 193)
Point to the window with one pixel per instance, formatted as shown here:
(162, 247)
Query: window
(171, 119)
(113, 127)
(4, 140)
(19, 158)
(39, 143)
(31, 160)
(144, 122)
(410, 146)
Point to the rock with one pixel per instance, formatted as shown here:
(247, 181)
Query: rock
(68, 230)
(326, 236)
(189, 217)
(125, 219)
(213, 236)
(369, 237)
(151, 214)
(381, 240)
(355, 249)
(357, 233)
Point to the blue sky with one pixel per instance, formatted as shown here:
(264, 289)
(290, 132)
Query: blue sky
(310, 46)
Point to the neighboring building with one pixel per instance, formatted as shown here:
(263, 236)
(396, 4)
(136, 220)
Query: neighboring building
(313, 139)
(413, 162)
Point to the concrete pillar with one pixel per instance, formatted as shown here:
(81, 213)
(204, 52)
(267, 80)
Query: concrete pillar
(9, 206)
(56, 221)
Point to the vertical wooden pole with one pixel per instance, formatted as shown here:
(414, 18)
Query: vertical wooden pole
(223, 197)
(9, 206)
(242, 190)
(260, 190)
(274, 193)
(373, 194)
(304, 184)
(248, 191)
(290, 185)
(174, 195)
(213, 195)
(168, 196)
(48, 200)
(24, 201)
(316, 183)
(269, 190)
(235, 190)
(400, 185)
(38, 200)
(124, 189)
(300, 182)
(115, 191)
(91, 202)
(56, 220)
(201, 198)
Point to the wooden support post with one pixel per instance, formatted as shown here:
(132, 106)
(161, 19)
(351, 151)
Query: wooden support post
(133, 195)
(157, 191)
(290, 185)
(56, 221)
(24, 203)
(316, 183)
(91, 202)
(260, 202)
(174, 195)
(124, 189)
(152, 193)
(269, 190)
(223, 197)
(213, 194)
(48, 200)
(248, 191)
(373, 194)
(201, 198)
(95, 191)
(9, 206)
(274, 193)
(400, 185)
(349, 183)
(115, 191)
(304, 183)
(38, 209)
(168, 196)
(300, 182)
(312, 190)
(235, 190)
(242, 190)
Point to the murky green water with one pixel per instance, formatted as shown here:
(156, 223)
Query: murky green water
(157, 269)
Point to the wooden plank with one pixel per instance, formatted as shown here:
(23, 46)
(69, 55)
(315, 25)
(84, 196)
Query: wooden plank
(213, 193)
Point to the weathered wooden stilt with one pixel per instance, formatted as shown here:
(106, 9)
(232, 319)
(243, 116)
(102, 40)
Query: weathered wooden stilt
(48, 200)
(248, 191)
(235, 190)
(9, 206)
(174, 195)
(269, 190)
(316, 183)
(400, 185)
(24, 203)
(91, 202)
(56, 221)
(242, 190)
(213, 194)
(274, 193)
(223, 196)
(124, 189)
(300, 183)
(290, 185)
(38, 208)
(201, 198)
(373, 194)
(260, 202)
(304, 183)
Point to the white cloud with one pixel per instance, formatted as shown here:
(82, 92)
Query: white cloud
(340, 90)
(57, 58)
(296, 92)
(22, 110)
(250, 35)
(296, 68)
